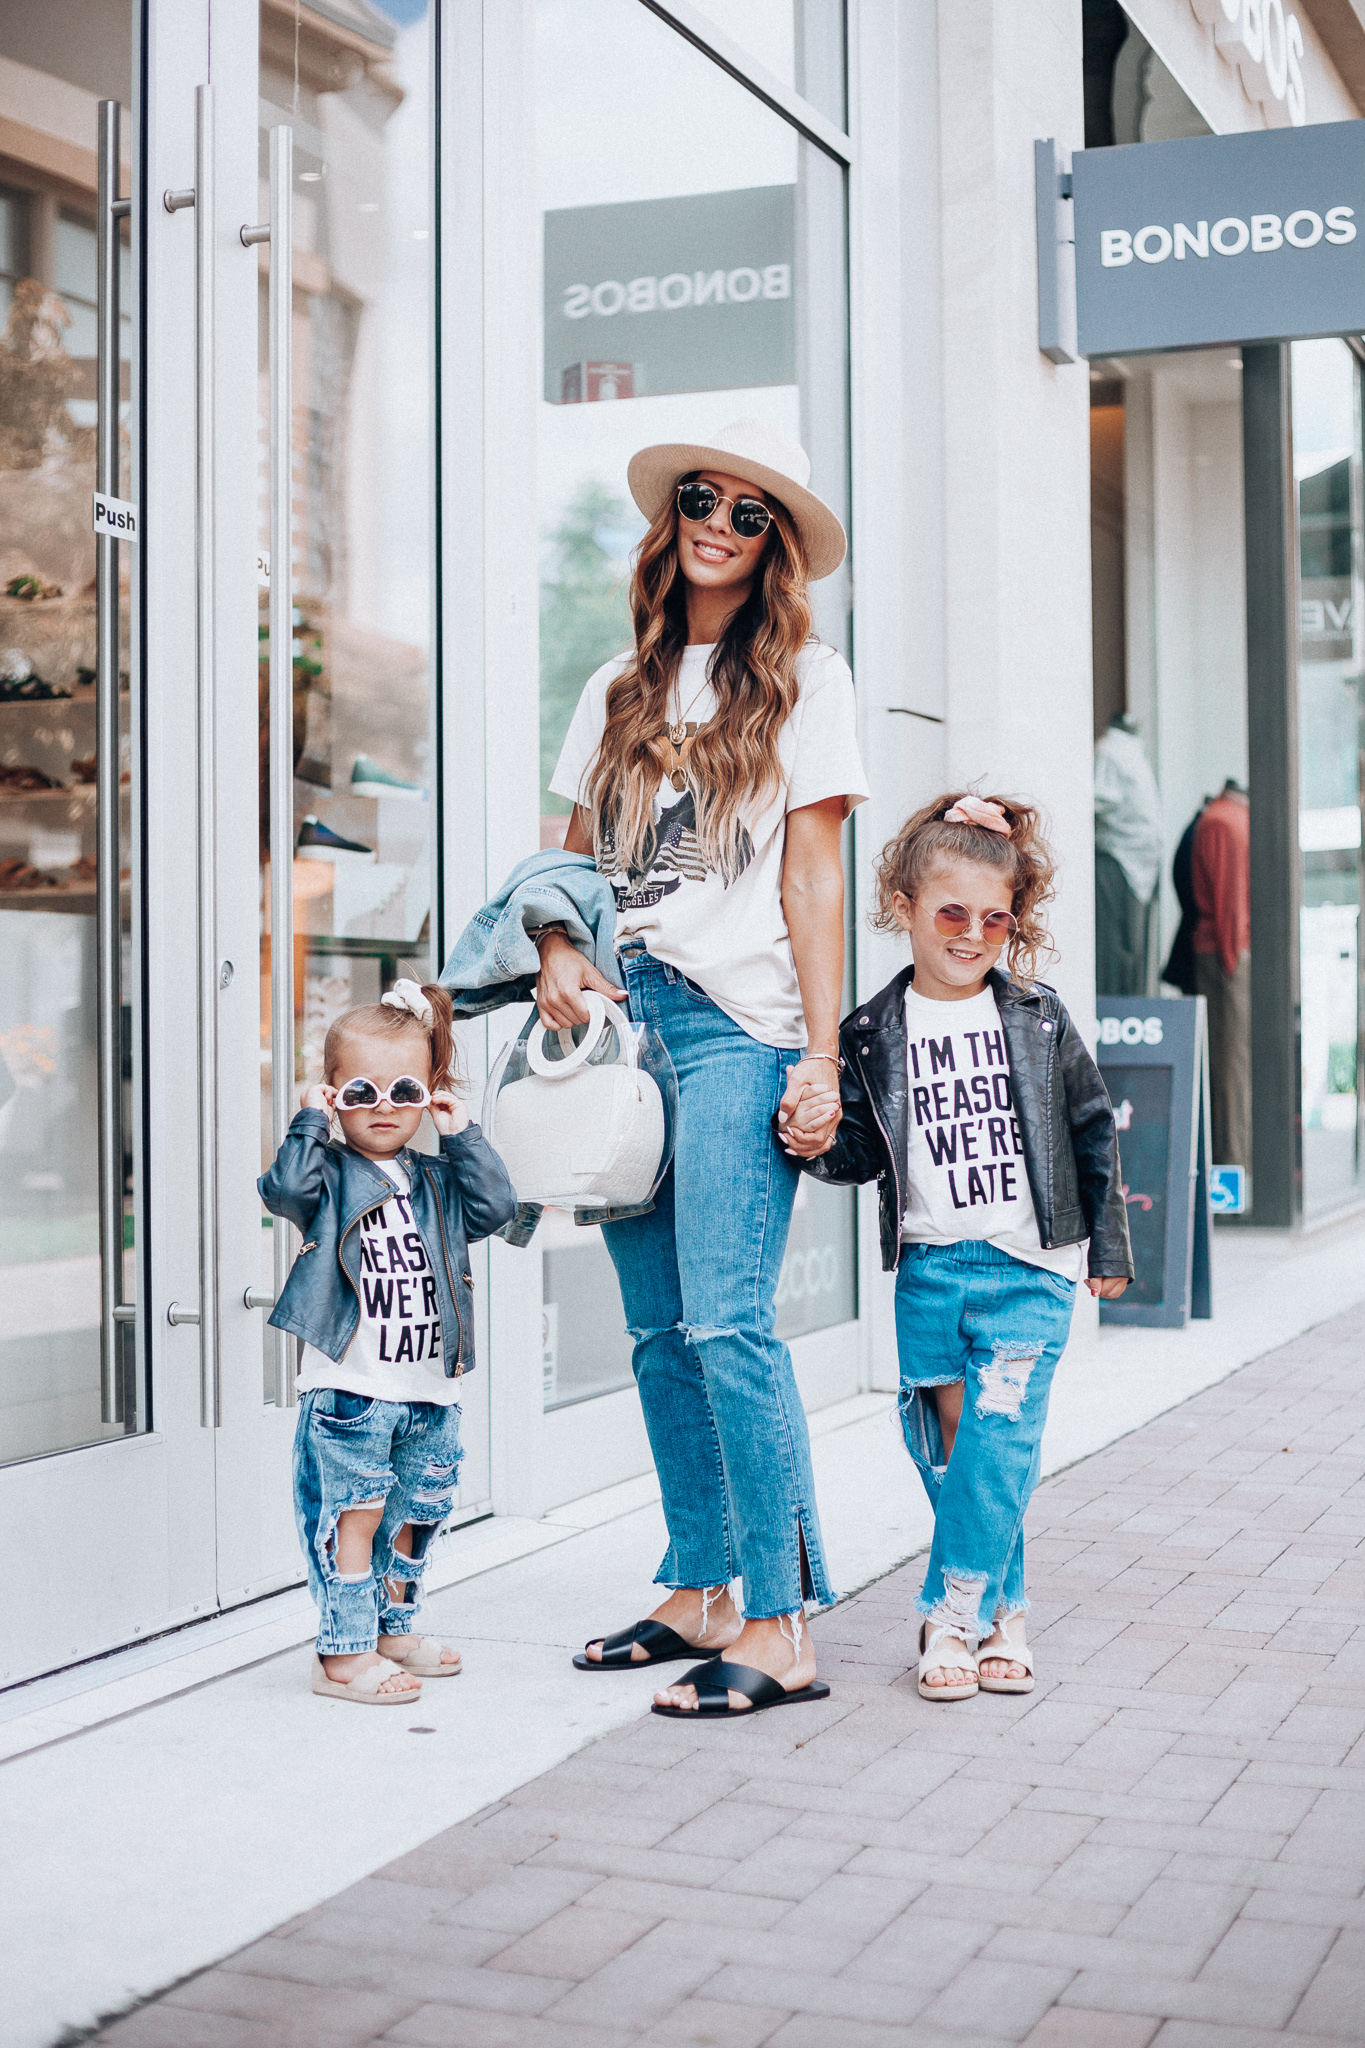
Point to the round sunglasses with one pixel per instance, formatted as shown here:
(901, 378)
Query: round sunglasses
(748, 518)
(954, 921)
(407, 1092)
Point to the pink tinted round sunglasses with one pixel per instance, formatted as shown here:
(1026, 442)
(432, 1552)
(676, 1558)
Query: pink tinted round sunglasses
(954, 921)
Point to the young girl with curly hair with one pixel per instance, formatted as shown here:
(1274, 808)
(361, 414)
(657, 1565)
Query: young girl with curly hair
(968, 1093)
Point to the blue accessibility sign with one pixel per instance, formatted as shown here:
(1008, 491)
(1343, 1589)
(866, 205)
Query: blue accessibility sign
(1229, 1190)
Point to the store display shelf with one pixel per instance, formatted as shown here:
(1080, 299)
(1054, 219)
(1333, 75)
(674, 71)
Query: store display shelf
(83, 693)
(45, 796)
(73, 898)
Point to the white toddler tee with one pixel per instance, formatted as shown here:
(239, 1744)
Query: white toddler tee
(730, 938)
(396, 1352)
(966, 1150)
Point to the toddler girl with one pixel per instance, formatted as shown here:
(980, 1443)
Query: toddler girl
(381, 1295)
(968, 1094)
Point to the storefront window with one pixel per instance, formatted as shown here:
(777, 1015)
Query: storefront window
(359, 102)
(1172, 812)
(694, 271)
(1327, 471)
(50, 1241)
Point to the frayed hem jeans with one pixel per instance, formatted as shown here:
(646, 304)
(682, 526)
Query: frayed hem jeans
(969, 1312)
(350, 1453)
(699, 1279)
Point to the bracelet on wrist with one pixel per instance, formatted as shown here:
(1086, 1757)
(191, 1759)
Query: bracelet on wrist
(833, 1057)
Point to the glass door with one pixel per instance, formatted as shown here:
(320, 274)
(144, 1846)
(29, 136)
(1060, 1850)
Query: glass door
(694, 268)
(1327, 469)
(345, 797)
(68, 1257)
(106, 1415)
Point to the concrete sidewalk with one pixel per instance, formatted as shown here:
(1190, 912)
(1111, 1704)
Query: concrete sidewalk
(1164, 1843)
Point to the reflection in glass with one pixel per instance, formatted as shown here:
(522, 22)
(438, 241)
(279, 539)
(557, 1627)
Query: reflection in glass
(800, 41)
(1327, 467)
(358, 97)
(49, 1225)
(694, 272)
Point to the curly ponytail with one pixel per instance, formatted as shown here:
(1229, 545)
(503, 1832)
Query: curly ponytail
(438, 1031)
(1023, 854)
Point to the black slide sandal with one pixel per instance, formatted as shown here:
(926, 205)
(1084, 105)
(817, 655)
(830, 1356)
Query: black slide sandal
(661, 1644)
(715, 1681)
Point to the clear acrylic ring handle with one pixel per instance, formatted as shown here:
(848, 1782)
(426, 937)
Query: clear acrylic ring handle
(559, 1070)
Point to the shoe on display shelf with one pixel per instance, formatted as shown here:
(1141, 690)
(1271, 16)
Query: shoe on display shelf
(369, 779)
(317, 841)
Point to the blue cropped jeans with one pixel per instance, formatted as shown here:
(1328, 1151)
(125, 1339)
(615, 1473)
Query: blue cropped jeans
(350, 1453)
(970, 1312)
(698, 1278)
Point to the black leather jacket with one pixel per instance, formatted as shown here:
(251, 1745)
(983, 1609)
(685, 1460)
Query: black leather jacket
(1071, 1151)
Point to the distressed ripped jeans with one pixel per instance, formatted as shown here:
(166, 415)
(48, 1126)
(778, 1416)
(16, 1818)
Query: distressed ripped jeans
(352, 1453)
(970, 1312)
(698, 1280)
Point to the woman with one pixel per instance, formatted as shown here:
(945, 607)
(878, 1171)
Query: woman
(711, 770)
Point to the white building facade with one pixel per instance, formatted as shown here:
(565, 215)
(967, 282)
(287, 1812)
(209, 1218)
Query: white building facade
(509, 242)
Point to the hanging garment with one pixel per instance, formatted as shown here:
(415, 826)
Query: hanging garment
(1222, 966)
(1179, 968)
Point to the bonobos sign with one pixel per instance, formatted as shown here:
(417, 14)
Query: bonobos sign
(693, 294)
(1220, 238)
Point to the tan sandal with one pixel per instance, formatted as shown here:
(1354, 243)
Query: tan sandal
(423, 1658)
(363, 1689)
(1000, 1644)
(943, 1651)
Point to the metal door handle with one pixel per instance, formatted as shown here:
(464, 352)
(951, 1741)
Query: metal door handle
(279, 233)
(210, 1386)
(109, 209)
(200, 198)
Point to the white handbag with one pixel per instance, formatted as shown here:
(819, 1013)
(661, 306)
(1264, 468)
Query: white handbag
(577, 1132)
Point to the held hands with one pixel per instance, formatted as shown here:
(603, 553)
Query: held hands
(1106, 1290)
(809, 1113)
(564, 972)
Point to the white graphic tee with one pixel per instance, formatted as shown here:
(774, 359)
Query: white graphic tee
(396, 1353)
(729, 937)
(966, 1150)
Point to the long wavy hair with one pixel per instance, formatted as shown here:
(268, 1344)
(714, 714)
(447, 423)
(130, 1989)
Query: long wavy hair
(1025, 860)
(733, 763)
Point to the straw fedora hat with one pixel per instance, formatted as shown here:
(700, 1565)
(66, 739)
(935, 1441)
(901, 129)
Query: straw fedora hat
(761, 455)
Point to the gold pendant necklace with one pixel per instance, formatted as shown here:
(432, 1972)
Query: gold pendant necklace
(681, 735)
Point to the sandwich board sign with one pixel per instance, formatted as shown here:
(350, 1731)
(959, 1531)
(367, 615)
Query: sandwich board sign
(1153, 1057)
(1210, 239)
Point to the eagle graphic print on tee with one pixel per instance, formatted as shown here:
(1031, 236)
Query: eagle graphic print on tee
(965, 1153)
(674, 857)
(397, 1352)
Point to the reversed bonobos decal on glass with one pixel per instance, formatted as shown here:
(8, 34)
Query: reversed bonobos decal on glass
(660, 295)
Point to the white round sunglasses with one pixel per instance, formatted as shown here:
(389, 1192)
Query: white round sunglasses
(407, 1092)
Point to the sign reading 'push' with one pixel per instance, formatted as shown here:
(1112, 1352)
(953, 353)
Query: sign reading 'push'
(1220, 238)
(115, 516)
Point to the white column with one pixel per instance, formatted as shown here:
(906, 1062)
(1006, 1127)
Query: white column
(1016, 487)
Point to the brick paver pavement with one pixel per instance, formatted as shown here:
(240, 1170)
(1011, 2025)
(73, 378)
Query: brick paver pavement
(1164, 1843)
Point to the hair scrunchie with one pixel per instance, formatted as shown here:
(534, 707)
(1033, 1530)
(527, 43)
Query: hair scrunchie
(407, 995)
(972, 810)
